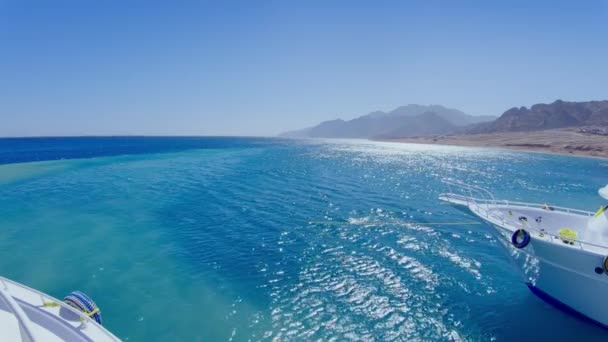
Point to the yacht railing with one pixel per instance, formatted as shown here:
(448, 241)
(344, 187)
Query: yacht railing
(481, 193)
(545, 206)
(485, 199)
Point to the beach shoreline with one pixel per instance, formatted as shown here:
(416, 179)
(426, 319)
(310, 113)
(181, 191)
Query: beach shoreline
(570, 142)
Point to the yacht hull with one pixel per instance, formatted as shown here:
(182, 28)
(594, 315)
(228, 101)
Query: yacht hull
(565, 276)
(561, 306)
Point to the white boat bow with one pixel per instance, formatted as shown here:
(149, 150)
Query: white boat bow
(30, 316)
(561, 252)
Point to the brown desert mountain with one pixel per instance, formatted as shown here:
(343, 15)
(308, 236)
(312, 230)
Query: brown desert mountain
(559, 114)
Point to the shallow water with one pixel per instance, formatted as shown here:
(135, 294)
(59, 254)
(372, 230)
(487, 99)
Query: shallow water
(238, 239)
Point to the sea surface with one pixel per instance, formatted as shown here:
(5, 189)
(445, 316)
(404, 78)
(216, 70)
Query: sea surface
(237, 239)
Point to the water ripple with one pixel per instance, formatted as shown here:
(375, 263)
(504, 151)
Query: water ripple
(285, 241)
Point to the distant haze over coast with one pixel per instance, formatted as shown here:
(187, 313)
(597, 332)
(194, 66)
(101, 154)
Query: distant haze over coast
(419, 120)
(410, 120)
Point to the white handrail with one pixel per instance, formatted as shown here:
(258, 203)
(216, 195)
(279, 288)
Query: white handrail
(523, 204)
(490, 199)
(25, 325)
(480, 190)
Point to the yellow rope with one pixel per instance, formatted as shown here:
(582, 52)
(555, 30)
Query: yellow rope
(92, 312)
(89, 314)
(53, 304)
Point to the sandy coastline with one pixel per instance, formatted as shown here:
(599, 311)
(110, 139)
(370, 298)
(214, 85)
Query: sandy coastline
(561, 141)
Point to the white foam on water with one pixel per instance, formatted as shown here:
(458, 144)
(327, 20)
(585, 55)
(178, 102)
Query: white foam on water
(468, 265)
(345, 292)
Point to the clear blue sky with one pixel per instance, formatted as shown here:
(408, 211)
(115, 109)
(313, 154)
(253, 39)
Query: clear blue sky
(260, 67)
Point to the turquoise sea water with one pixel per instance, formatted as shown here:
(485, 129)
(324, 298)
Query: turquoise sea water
(216, 239)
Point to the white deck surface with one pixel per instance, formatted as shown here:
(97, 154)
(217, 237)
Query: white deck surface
(23, 314)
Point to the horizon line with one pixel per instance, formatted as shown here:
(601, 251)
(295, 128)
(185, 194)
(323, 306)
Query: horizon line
(135, 136)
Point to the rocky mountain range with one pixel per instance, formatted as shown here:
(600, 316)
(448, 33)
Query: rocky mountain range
(559, 114)
(405, 121)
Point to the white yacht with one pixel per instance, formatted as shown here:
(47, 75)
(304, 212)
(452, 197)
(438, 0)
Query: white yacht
(562, 252)
(30, 316)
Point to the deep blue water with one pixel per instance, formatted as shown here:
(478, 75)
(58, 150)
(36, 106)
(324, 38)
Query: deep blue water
(200, 239)
(18, 150)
